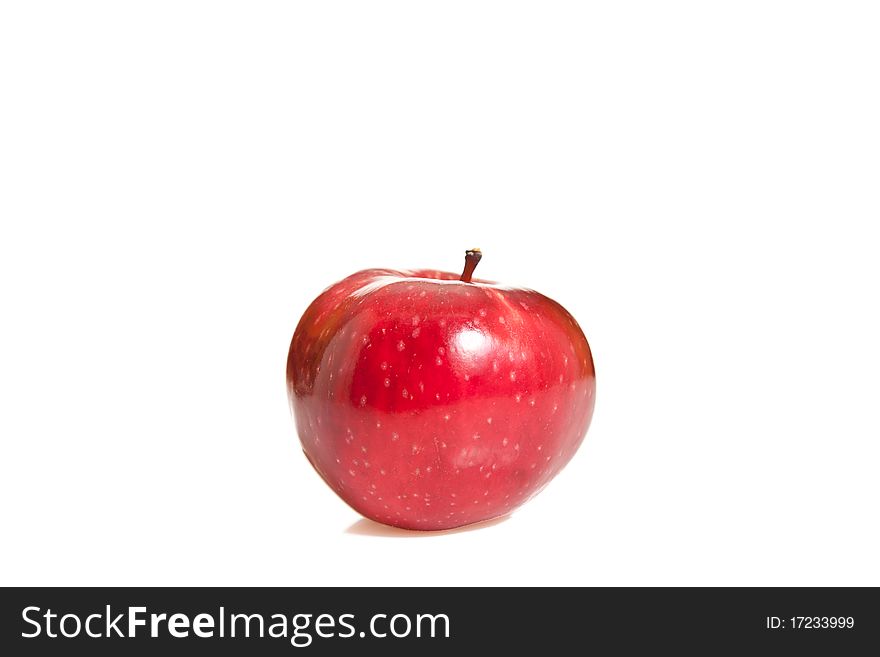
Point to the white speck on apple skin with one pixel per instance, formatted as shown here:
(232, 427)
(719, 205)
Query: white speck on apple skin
(401, 345)
(387, 382)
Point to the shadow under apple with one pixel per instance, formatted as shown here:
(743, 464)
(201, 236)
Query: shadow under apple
(367, 527)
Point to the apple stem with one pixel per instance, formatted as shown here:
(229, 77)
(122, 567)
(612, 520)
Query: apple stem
(471, 260)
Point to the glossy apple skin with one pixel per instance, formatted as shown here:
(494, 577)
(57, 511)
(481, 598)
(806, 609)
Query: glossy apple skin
(428, 403)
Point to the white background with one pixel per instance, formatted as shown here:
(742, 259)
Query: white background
(698, 183)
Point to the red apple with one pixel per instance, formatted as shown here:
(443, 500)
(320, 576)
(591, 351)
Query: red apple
(429, 400)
